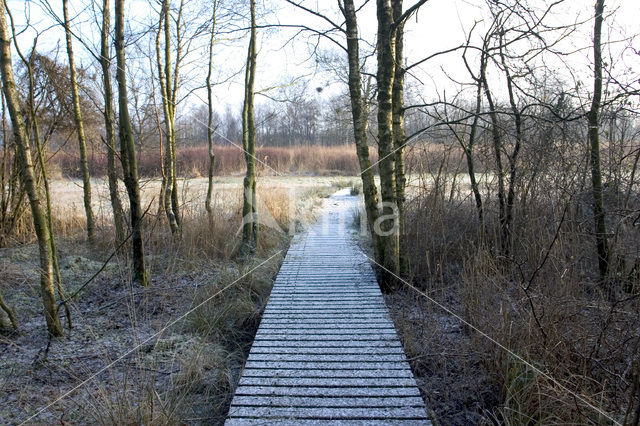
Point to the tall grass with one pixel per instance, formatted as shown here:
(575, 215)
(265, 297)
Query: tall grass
(542, 303)
(185, 373)
(299, 159)
(194, 161)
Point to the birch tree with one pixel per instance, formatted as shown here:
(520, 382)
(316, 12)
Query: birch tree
(359, 116)
(33, 133)
(82, 144)
(383, 219)
(109, 123)
(168, 77)
(397, 101)
(385, 77)
(28, 179)
(391, 20)
(128, 154)
(210, 129)
(249, 202)
(12, 194)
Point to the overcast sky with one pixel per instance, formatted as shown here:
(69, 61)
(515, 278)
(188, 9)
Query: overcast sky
(439, 25)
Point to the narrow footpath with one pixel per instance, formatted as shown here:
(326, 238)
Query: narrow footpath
(326, 351)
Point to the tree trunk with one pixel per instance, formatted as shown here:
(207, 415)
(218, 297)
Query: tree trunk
(399, 133)
(497, 151)
(513, 158)
(359, 116)
(172, 92)
(32, 124)
(82, 144)
(163, 177)
(4, 179)
(105, 63)
(4, 191)
(249, 205)
(473, 132)
(468, 152)
(9, 312)
(45, 178)
(164, 76)
(593, 119)
(210, 130)
(128, 155)
(28, 180)
(386, 69)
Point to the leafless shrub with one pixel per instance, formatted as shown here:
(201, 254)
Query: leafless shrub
(556, 349)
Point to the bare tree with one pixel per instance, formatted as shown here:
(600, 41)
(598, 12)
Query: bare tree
(128, 155)
(109, 123)
(386, 50)
(82, 144)
(390, 30)
(249, 204)
(359, 116)
(28, 179)
(382, 220)
(168, 77)
(593, 120)
(210, 129)
(468, 146)
(33, 131)
(12, 194)
(398, 110)
(9, 185)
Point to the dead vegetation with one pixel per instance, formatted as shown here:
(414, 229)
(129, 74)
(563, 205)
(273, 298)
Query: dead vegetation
(340, 160)
(528, 338)
(164, 354)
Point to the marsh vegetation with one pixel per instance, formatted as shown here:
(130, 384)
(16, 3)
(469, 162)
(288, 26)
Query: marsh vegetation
(146, 204)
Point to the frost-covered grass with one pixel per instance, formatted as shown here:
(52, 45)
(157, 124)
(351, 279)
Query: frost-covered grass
(144, 355)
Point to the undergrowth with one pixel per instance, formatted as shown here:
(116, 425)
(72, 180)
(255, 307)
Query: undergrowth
(167, 354)
(529, 338)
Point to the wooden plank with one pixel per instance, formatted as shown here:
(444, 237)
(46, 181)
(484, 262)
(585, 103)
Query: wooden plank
(314, 391)
(380, 413)
(286, 300)
(326, 351)
(362, 357)
(343, 315)
(328, 373)
(283, 364)
(297, 401)
(320, 350)
(268, 333)
(246, 421)
(364, 345)
(310, 323)
(320, 339)
(326, 311)
(321, 329)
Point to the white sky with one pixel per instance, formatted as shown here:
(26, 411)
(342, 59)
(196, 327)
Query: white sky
(440, 24)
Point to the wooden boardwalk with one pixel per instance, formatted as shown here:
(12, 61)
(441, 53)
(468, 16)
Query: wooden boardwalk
(326, 351)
